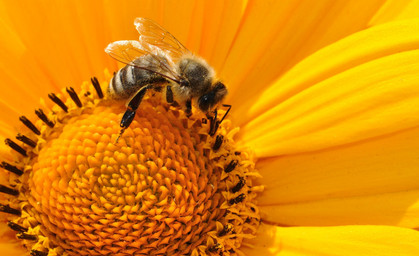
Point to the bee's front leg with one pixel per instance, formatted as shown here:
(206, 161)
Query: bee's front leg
(214, 123)
(188, 108)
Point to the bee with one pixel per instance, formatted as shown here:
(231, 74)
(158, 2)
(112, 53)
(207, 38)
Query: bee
(157, 61)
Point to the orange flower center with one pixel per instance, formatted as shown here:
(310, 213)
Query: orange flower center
(165, 188)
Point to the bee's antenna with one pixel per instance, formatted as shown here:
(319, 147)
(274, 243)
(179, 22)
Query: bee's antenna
(228, 110)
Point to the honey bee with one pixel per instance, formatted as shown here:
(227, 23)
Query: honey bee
(159, 61)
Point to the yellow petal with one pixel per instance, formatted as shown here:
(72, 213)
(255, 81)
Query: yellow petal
(221, 21)
(370, 182)
(12, 249)
(345, 240)
(399, 209)
(9, 245)
(396, 10)
(361, 87)
(18, 69)
(275, 35)
(47, 29)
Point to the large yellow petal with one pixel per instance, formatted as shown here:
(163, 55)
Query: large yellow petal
(396, 10)
(9, 245)
(398, 209)
(18, 69)
(344, 240)
(275, 35)
(12, 249)
(361, 87)
(370, 182)
(51, 32)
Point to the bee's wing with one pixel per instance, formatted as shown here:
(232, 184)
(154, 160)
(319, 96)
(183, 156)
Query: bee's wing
(153, 37)
(126, 51)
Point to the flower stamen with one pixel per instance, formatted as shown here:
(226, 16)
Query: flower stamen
(9, 191)
(74, 96)
(8, 209)
(58, 101)
(38, 253)
(16, 227)
(15, 147)
(239, 185)
(28, 141)
(97, 87)
(230, 167)
(29, 124)
(237, 199)
(26, 236)
(40, 113)
(11, 168)
(218, 142)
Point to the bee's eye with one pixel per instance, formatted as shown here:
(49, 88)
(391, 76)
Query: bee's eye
(205, 101)
(219, 86)
(213, 97)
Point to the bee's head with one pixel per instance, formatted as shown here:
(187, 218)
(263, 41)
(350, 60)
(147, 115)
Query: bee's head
(210, 99)
(195, 73)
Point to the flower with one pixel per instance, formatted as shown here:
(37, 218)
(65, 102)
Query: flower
(327, 101)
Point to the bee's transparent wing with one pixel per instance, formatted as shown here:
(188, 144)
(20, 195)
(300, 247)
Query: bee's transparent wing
(153, 37)
(126, 51)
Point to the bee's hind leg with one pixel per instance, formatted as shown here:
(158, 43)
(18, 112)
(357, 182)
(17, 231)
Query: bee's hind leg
(169, 95)
(188, 108)
(132, 107)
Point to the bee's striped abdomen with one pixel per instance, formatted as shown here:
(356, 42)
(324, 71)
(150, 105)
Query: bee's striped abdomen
(131, 78)
(123, 83)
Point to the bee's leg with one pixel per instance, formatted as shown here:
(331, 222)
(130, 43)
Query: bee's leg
(214, 123)
(188, 109)
(169, 97)
(133, 104)
(169, 94)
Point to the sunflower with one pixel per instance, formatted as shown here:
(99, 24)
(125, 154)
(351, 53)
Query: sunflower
(318, 155)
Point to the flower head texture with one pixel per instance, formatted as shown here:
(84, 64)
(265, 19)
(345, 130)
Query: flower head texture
(319, 154)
